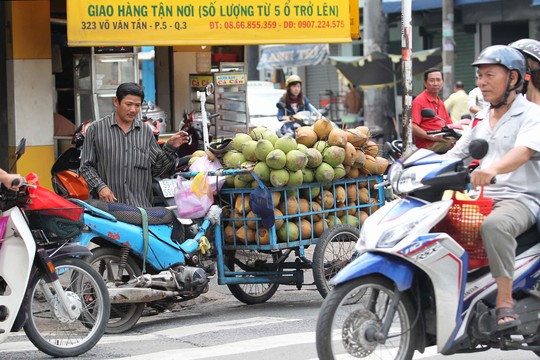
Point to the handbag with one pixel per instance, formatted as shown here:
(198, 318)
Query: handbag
(463, 222)
(193, 197)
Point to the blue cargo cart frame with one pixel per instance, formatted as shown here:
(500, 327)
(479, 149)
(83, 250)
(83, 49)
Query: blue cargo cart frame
(254, 266)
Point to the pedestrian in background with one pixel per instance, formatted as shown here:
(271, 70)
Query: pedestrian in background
(476, 100)
(429, 98)
(457, 103)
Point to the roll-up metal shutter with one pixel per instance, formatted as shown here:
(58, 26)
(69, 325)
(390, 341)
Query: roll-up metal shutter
(322, 85)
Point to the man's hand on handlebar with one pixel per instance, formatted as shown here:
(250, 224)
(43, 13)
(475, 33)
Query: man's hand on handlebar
(482, 177)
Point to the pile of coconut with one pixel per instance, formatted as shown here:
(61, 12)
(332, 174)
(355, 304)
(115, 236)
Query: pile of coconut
(317, 154)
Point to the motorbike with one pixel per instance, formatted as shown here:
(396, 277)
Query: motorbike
(453, 130)
(45, 286)
(301, 118)
(410, 287)
(156, 261)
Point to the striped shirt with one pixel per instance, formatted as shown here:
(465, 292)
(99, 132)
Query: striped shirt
(125, 162)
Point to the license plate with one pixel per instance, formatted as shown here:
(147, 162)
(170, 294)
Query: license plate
(167, 187)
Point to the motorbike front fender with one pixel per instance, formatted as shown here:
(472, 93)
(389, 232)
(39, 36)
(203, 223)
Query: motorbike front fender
(397, 270)
(69, 250)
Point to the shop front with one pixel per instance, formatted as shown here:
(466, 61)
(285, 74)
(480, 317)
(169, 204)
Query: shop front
(65, 58)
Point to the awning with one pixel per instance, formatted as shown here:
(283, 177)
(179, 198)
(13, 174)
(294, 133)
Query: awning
(280, 56)
(379, 69)
(394, 6)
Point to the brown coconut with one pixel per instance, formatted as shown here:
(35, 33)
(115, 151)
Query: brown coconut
(245, 234)
(340, 195)
(354, 173)
(289, 207)
(252, 224)
(363, 195)
(337, 137)
(317, 209)
(327, 202)
(239, 205)
(364, 130)
(350, 155)
(356, 137)
(370, 166)
(360, 159)
(363, 216)
(279, 222)
(322, 128)
(352, 192)
(229, 234)
(264, 236)
(319, 227)
(371, 148)
(380, 165)
(374, 204)
(305, 135)
(306, 229)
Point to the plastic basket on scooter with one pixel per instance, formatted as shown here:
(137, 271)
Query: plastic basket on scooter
(463, 222)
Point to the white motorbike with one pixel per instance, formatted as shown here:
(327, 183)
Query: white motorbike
(45, 286)
(411, 287)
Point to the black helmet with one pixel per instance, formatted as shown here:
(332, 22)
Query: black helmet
(529, 47)
(503, 55)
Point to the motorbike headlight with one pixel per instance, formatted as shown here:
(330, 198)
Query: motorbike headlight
(361, 243)
(410, 179)
(418, 220)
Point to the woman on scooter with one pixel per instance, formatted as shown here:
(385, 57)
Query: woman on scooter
(293, 101)
(8, 179)
(511, 125)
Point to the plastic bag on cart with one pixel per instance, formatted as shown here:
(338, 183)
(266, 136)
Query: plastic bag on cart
(193, 197)
(205, 164)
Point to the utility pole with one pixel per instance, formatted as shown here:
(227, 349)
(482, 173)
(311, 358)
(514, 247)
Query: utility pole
(406, 70)
(448, 45)
(376, 38)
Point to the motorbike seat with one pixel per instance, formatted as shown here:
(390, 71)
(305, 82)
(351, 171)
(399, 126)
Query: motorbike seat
(132, 215)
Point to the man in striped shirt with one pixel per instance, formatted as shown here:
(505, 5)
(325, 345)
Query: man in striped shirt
(120, 154)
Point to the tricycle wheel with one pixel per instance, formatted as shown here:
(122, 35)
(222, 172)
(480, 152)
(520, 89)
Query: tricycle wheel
(249, 261)
(334, 250)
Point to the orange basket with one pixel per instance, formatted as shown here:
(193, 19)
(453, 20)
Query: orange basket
(463, 222)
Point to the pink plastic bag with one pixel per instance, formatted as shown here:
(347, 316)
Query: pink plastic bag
(193, 197)
(204, 164)
(3, 226)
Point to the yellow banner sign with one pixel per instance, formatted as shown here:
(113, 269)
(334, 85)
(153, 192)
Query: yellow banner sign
(206, 22)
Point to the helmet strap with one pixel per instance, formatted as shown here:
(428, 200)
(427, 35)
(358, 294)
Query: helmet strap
(509, 89)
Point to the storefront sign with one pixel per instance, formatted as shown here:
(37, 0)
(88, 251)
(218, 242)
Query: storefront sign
(200, 80)
(230, 79)
(206, 22)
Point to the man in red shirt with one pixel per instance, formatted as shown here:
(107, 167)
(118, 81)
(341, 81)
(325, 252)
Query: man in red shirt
(429, 98)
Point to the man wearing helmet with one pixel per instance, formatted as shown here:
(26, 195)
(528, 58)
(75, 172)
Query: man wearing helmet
(293, 100)
(510, 125)
(531, 49)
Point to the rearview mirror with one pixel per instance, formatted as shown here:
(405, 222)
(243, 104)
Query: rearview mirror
(478, 148)
(428, 113)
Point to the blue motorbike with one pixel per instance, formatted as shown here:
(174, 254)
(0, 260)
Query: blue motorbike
(146, 257)
(412, 287)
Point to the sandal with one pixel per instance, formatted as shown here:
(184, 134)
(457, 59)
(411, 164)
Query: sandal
(507, 312)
